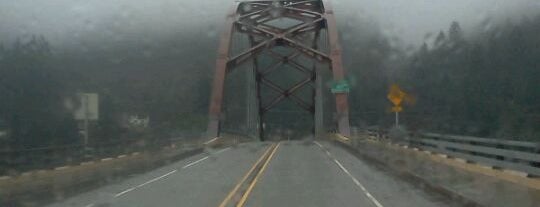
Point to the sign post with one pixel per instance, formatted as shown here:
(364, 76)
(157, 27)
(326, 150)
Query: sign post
(396, 96)
(86, 114)
(396, 110)
(397, 119)
(87, 111)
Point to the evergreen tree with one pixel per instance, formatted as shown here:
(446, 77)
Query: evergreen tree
(32, 96)
(455, 34)
(485, 86)
(440, 40)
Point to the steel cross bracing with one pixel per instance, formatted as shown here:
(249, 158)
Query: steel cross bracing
(252, 18)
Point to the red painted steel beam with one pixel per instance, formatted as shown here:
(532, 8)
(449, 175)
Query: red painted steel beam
(342, 105)
(287, 93)
(216, 98)
(252, 18)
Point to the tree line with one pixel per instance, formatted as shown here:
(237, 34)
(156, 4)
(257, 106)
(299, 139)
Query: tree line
(484, 84)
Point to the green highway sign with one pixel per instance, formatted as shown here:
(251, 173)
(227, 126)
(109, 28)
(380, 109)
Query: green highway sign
(341, 86)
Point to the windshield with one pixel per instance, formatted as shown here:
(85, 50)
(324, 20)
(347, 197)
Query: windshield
(270, 103)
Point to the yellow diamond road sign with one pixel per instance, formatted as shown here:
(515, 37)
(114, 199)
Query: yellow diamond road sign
(396, 95)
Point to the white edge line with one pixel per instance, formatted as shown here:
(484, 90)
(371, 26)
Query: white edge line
(223, 150)
(195, 162)
(320, 145)
(210, 141)
(155, 179)
(145, 183)
(204, 158)
(343, 168)
(124, 192)
(160, 177)
(373, 199)
(89, 205)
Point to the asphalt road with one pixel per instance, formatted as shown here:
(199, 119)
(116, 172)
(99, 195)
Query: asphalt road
(295, 173)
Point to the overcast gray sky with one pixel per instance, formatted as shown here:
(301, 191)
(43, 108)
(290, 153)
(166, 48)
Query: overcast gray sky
(64, 22)
(410, 20)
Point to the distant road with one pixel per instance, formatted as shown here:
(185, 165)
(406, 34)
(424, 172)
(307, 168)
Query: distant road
(295, 173)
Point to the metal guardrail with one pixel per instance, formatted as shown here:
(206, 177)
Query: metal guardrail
(497, 153)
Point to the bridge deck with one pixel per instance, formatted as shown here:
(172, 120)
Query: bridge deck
(298, 173)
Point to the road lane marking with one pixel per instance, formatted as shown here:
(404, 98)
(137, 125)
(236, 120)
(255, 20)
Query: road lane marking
(210, 141)
(341, 166)
(156, 179)
(124, 192)
(235, 189)
(145, 183)
(254, 182)
(204, 158)
(320, 145)
(366, 192)
(89, 205)
(195, 162)
(167, 174)
(223, 150)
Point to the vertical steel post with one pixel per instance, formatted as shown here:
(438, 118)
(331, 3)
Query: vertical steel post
(256, 74)
(216, 99)
(342, 105)
(253, 19)
(319, 119)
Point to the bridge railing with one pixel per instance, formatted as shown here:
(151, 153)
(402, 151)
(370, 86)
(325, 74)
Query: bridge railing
(497, 153)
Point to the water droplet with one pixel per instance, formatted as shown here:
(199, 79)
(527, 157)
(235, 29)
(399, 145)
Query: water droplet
(247, 7)
(275, 13)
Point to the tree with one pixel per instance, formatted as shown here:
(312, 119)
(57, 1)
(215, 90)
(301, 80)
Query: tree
(32, 96)
(455, 34)
(484, 86)
(423, 50)
(440, 40)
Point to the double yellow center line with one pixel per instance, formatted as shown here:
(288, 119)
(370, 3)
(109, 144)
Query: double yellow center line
(264, 160)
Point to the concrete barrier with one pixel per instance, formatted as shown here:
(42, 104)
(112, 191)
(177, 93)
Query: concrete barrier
(467, 183)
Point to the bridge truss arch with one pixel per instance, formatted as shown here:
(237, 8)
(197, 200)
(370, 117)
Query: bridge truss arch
(310, 34)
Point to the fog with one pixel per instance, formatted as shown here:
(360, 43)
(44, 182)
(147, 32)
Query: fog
(152, 62)
(67, 22)
(411, 20)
